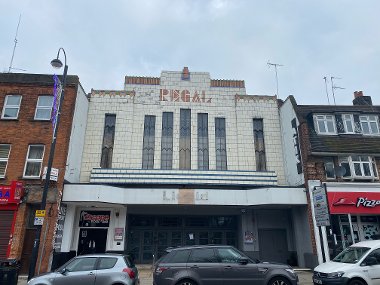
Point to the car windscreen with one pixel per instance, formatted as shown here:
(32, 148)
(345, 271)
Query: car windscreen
(351, 254)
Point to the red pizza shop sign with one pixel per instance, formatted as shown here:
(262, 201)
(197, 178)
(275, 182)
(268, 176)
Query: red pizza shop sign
(354, 202)
(11, 194)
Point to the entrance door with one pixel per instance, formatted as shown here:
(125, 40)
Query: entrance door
(92, 241)
(273, 245)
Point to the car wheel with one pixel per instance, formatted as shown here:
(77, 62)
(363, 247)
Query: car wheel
(279, 281)
(186, 282)
(357, 282)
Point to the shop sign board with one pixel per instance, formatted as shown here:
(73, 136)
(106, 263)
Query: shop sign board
(53, 174)
(321, 209)
(11, 194)
(40, 213)
(38, 221)
(94, 219)
(354, 202)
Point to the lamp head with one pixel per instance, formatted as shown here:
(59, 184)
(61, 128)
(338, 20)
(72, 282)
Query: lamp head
(56, 63)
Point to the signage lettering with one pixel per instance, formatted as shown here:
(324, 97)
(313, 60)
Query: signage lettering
(367, 203)
(5, 194)
(183, 96)
(11, 194)
(94, 219)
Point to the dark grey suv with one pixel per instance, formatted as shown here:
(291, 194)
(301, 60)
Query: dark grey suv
(218, 265)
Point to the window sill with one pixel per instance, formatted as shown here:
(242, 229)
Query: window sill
(9, 119)
(31, 177)
(327, 134)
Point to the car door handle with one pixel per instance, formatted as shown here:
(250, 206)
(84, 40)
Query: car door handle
(194, 266)
(228, 267)
(91, 273)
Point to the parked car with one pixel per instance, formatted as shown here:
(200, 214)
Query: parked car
(358, 264)
(218, 265)
(94, 269)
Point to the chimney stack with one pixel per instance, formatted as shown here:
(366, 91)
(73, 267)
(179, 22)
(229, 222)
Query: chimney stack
(360, 99)
(185, 73)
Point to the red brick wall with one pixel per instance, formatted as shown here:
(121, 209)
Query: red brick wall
(24, 131)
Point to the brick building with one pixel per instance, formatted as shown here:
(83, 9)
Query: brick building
(337, 147)
(184, 159)
(26, 102)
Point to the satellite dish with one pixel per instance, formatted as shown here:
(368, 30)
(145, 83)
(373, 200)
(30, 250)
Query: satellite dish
(340, 171)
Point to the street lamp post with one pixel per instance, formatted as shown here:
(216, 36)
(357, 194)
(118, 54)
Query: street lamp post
(33, 259)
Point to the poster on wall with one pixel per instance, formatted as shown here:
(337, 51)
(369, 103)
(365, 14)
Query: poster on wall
(248, 237)
(91, 219)
(119, 234)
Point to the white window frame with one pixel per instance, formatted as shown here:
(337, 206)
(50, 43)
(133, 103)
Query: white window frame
(3, 159)
(366, 119)
(43, 108)
(351, 119)
(323, 117)
(34, 160)
(11, 107)
(371, 163)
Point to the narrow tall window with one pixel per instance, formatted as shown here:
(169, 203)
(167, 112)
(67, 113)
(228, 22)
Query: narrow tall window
(43, 108)
(33, 163)
(148, 143)
(185, 139)
(348, 121)
(220, 144)
(167, 141)
(258, 137)
(203, 157)
(4, 156)
(11, 107)
(108, 141)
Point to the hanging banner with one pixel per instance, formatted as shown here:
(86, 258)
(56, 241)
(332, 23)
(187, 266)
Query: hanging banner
(321, 208)
(60, 225)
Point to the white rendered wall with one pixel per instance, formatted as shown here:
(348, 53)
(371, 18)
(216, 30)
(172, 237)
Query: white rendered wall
(287, 114)
(74, 156)
(130, 111)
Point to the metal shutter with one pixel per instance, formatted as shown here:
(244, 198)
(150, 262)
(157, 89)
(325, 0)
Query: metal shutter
(6, 219)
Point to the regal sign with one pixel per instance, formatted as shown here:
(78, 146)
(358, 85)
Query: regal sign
(11, 194)
(354, 202)
(183, 96)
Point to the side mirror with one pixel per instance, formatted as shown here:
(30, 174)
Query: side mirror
(63, 271)
(243, 261)
(369, 261)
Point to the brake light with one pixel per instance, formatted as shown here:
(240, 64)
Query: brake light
(159, 269)
(130, 272)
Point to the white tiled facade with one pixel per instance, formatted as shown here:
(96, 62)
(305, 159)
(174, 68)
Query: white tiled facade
(138, 100)
(260, 203)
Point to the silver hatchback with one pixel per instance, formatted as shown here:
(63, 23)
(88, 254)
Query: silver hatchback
(92, 269)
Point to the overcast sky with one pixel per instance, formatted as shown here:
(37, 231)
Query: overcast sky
(106, 40)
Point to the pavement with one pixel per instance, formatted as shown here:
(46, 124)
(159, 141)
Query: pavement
(146, 276)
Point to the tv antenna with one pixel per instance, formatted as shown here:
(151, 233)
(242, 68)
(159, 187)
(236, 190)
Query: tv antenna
(276, 65)
(14, 49)
(333, 87)
(327, 93)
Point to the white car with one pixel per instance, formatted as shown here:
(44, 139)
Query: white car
(358, 264)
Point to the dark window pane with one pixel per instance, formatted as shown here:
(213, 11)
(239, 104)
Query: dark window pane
(167, 141)
(108, 141)
(148, 142)
(204, 255)
(180, 256)
(203, 152)
(258, 136)
(220, 144)
(185, 139)
(107, 263)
